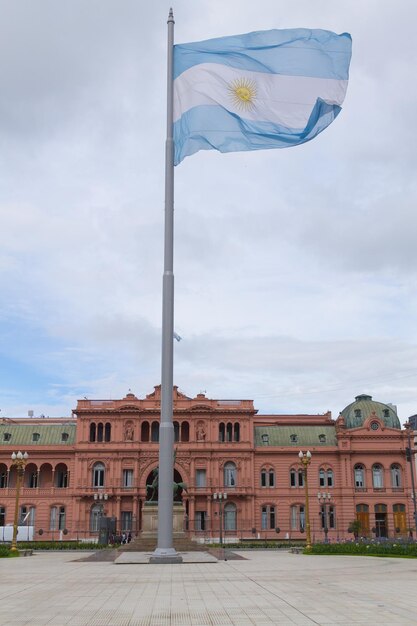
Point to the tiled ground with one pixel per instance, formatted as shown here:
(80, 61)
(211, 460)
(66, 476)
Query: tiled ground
(266, 588)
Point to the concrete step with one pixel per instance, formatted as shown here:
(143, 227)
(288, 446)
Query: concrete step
(148, 544)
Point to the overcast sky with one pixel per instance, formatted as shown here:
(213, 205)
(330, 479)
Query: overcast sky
(295, 269)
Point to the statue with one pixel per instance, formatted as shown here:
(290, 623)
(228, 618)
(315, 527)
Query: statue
(129, 433)
(201, 433)
(153, 486)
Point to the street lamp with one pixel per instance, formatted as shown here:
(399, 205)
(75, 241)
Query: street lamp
(220, 497)
(305, 460)
(325, 501)
(19, 462)
(409, 454)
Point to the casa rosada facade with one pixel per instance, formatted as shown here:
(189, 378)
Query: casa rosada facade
(99, 462)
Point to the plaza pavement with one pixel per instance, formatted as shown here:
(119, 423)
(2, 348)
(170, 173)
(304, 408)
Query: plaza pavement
(263, 588)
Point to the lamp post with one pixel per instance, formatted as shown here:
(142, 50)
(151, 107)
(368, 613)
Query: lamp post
(305, 460)
(220, 497)
(325, 500)
(19, 462)
(409, 454)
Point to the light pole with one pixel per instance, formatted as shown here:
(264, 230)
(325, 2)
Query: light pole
(409, 454)
(325, 500)
(220, 497)
(19, 462)
(305, 460)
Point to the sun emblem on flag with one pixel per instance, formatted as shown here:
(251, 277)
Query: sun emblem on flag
(243, 93)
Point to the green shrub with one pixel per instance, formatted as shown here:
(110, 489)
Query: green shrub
(368, 548)
(59, 545)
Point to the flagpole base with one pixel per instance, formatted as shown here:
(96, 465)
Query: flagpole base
(165, 555)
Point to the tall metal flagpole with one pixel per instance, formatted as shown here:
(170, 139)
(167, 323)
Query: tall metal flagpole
(165, 552)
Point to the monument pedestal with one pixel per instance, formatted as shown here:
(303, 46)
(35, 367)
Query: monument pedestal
(150, 519)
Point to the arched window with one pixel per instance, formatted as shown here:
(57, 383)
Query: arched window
(100, 431)
(27, 515)
(176, 431)
(236, 432)
(377, 476)
(98, 475)
(144, 431)
(268, 517)
(359, 475)
(221, 432)
(3, 476)
(267, 478)
(329, 476)
(155, 432)
(297, 517)
(95, 514)
(107, 432)
(92, 431)
(229, 431)
(230, 521)
(185, 431)
(230, 474)
(57, 518)
(395, 475)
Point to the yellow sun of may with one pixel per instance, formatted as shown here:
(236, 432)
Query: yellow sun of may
(243, 93)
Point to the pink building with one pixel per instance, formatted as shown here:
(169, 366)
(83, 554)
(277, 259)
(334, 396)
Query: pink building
(100, 462)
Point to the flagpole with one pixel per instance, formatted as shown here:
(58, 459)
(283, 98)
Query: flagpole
(165, 552)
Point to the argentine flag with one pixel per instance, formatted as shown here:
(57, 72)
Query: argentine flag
(271, 89)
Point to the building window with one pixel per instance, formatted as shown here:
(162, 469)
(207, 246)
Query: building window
(100, 432)
(200, 478)
(200, 520)
(301, 478)
(98, 475)
(127, 520)
(185, 431)
(96, 513)
(359, 473)
(395, 475)
(107, 432)
(3, 480)
(267, 478)
(297, 515)
(377, 476)
(229, 432)
(322, 477)
(294, 438)
(92, 432)
(221, 432)
(322, 438)
(236, 432)
(329, 510)
(230, 474)
(57, 518)
(374, 425)
(33, 480)
(27, 516)
(127, 478)
(2, 516)
(358, 413)
(35, 436)
(230, 521)
(265, 439)
(64, 437)
(330, 478)
(144, 431)
(268, 517)
(176, 431)
(61, 479)
(155, 432)
(7, 437)
(293, 481)
(386, 412)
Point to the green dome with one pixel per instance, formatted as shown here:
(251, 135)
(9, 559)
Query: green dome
(357, 413)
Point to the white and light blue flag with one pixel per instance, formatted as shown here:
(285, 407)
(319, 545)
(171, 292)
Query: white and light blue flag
(271, 89)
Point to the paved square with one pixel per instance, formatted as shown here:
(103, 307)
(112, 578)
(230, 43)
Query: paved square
(266, 588)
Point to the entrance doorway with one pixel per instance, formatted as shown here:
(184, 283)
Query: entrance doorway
(381, 524)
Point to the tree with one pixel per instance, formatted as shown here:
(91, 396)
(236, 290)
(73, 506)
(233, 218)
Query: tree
(355, 528)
